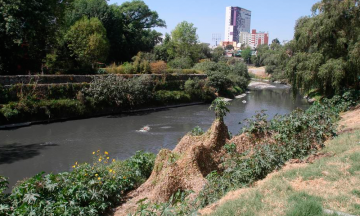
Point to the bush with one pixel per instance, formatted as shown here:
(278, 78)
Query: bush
(127, 68)
(171, 97)
(197, 131)
(4, 95)
(114, 90)
(181, 63)
(158, 67)
(222, 76)
(89, 189)
(114, 69)
(191, 86)
(183, 71)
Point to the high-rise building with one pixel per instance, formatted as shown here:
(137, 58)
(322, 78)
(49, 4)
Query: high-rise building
(254, 39)
(236, 20)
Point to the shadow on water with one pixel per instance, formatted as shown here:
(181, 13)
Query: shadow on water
(139, 113)
(16, 152)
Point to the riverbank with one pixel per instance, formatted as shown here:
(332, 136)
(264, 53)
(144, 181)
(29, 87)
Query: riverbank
(262, 148)
(27, 104)
(322, 184)
(49, 121)
(103, 172)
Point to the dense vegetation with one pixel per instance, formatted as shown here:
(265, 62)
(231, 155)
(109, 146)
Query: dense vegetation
(89, 189)
(106, 94)
(73, 35)
(324, 53)
(80, 36)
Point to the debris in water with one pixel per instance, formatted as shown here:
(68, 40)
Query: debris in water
(144, 129)
(240, 96)
(226, 99)
(244, 101)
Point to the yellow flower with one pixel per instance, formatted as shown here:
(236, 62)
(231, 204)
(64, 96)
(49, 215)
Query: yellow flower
(99, 159)
(99, 178)
(76, 163)
(113, 160)
(106, 152)
(98, 151)
(114, 172)
(107, 158)
(73, 166)
(110, 170)
(124, 177)
(93, 153)
(96, 175)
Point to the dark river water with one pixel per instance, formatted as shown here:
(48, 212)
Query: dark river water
(55, 147)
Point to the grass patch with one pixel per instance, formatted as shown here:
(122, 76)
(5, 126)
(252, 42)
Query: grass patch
(303, 204)
(250, 205)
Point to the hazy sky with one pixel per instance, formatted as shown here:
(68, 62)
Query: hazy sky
(277, 17)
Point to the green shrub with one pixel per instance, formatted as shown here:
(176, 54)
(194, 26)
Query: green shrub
(171, 97)
(4, 95)
(222, 76)
(183, 71)
(197, 131)
(89, 189)
(181, 63)
(220, 108)
(114, 90)
(191, 86)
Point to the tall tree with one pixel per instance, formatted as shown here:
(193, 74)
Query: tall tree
(87, 41)
(326, 47)
(137, 35)
(185, 40)
(27, 32)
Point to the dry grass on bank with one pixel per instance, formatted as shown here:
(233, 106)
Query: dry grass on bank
(332, 181)
(258, 72)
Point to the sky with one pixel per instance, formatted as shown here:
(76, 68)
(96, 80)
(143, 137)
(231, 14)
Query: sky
(278, 17)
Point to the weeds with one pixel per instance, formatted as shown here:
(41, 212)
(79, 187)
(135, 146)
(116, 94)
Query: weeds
(197, 131)
(89, 189)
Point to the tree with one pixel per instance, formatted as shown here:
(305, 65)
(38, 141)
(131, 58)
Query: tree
(128, 26)
(246, 55)
(27, 30)
(275, 41)
(181, 63)
(322, 55)
(205, 51)
(217, 53)
(185, 40)
(87, 41)
(138, 21)
(229, 47)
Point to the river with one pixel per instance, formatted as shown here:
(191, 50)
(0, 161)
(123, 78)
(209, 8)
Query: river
(55, 147)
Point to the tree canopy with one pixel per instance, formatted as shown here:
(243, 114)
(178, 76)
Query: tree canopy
(34, 32)
(324, 53)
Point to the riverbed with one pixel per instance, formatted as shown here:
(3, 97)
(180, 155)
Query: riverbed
(55, 147)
